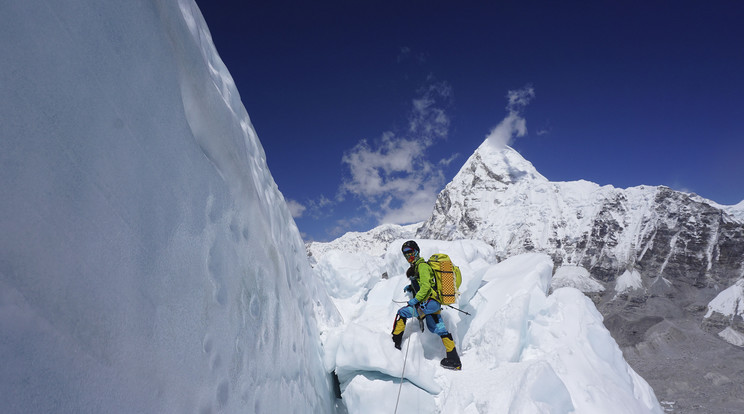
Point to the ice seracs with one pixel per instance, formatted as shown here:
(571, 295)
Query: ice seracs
(523, 349)
(576, 277)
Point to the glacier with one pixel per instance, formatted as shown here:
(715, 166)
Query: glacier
(149, 263)
(524, 349)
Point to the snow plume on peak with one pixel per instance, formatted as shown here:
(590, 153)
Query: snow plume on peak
(523, 350)
(148, 262)
(513, 125)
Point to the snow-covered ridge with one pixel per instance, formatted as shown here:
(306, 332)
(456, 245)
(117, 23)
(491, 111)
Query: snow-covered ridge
(373, 242)
(730, 302)
(499, 197)
(736, 211)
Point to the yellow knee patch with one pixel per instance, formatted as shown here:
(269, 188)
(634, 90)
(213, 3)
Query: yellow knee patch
(449, 344)
(400, 326)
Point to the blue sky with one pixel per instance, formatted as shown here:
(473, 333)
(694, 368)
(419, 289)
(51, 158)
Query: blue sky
(367, 109)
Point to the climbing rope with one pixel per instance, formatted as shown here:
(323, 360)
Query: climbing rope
(401, 376)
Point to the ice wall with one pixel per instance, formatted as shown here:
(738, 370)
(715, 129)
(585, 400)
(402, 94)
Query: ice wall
(148, 262)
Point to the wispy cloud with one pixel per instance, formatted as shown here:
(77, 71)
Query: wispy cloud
(405, 54)
(295, 208)
(315, 208)
(513, 125)
(393, 176)
(343, 225)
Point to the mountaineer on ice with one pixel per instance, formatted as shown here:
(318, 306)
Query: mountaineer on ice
(428, 297)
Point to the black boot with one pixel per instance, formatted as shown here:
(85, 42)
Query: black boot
(452, 361)
(399, 326)
(397, 339)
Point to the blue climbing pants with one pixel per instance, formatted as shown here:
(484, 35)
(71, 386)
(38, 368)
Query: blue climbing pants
(432, 309)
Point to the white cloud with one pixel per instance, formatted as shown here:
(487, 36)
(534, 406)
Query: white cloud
(295, 208)
(343, 225)
(388, 168)
(393, 175)
(317, 208)
(514, 125)
(428, 118)
(417, 206)
(520, 98)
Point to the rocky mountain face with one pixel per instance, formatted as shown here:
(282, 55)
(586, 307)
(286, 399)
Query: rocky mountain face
(500, 198)
(686, 250)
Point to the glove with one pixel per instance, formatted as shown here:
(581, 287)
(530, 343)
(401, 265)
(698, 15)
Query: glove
(407, 289)
(413, 302)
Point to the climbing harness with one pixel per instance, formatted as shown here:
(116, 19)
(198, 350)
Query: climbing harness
(457, 309)
(420, 314)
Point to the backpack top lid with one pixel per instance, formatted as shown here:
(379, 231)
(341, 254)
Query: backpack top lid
(439, 257)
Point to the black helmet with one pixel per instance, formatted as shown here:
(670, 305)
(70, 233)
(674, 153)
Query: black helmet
(410, 244)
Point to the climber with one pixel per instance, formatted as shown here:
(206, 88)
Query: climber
(422, 279)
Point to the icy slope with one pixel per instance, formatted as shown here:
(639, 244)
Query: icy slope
(146, 255)
(523, 351)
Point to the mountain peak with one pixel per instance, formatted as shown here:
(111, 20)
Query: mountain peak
(502, 164)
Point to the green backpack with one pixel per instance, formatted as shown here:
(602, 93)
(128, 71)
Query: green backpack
(447, 278)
